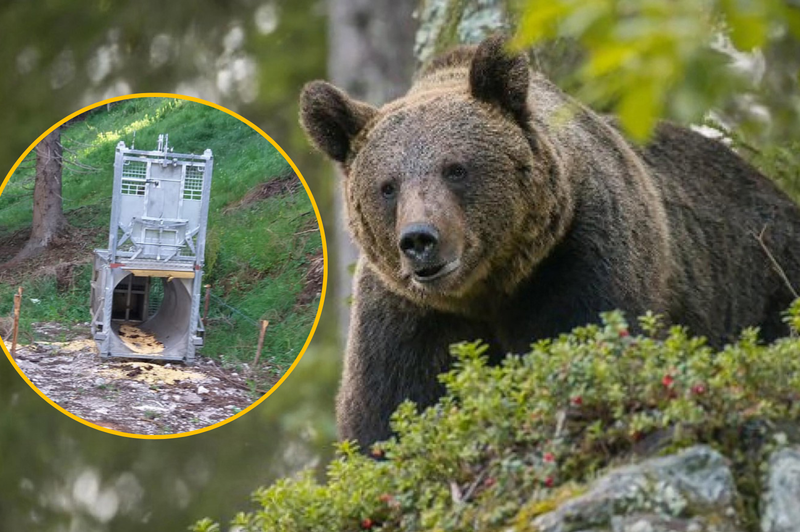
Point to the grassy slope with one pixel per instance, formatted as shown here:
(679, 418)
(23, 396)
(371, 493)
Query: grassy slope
(255, 258)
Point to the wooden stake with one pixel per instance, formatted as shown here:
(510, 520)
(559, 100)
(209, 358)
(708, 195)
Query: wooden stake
(208, 297)
(17, 301)
(264, 324)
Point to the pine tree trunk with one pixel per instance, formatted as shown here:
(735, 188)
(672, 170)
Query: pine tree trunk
(48, 215)
(370, 45)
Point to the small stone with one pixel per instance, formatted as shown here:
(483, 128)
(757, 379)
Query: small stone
(640, 526)
(202, 390)
(193, 398)
(99, 382)
(781, 513)
(234, 374)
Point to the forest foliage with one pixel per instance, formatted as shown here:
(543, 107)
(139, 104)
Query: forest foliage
(510, 442)
(680, 59)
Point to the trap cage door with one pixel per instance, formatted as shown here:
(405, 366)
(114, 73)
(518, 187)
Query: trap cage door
(159, 208)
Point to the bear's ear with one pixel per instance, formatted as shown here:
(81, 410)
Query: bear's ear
(331, 118)
(500, 78)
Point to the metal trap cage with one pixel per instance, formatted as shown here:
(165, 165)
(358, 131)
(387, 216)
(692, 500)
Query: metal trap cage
(145, 296)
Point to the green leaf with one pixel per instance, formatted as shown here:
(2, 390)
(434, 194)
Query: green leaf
(640, 108)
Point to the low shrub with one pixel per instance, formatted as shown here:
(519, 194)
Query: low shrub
(511, 441)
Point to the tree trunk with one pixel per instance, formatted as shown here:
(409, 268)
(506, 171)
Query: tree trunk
(48, 214)
(447, 23)
(370, 55)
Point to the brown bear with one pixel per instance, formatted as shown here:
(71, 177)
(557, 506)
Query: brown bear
(489, 205)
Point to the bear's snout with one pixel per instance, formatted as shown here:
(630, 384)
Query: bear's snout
(419, 242)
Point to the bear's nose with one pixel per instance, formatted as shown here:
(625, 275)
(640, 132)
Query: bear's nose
(419, 241)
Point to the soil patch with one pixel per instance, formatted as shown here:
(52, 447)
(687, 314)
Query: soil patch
(285, 184)
(130, 396)
(59, 260)
(312, 287)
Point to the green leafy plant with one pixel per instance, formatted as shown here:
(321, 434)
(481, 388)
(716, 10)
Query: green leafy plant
(512, 441)
(647, 59)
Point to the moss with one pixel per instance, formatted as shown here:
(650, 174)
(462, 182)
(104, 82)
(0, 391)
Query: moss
(538, 507)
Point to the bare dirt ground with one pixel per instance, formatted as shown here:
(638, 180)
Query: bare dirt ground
(139, 397)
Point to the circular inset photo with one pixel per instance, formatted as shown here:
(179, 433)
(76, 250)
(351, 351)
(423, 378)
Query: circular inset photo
(162, 265)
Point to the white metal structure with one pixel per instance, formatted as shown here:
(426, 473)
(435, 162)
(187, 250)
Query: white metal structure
(151, 274)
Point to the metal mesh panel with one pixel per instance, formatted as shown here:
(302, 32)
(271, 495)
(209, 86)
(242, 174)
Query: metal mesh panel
(185, 251)
(193, 184)
(134, 174)
(156, 295)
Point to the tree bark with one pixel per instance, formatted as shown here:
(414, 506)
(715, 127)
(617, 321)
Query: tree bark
(370, 55)
(48, 213)
(447, 23)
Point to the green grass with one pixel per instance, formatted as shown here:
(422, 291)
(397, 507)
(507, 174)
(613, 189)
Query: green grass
(257, 254)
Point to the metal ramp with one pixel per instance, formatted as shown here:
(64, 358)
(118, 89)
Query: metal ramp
(146, 286)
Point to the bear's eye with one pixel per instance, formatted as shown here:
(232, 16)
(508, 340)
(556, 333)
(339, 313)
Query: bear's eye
(455, 172)
(388, 190)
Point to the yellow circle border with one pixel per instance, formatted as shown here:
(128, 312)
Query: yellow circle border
(324, 257)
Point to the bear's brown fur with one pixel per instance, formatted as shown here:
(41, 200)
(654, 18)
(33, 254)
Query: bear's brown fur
(489, 205)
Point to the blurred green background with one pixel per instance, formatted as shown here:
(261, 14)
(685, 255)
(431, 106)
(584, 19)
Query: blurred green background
(730, 67)
(252, 57)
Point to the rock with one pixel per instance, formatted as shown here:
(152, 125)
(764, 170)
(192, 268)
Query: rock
(780, 502)
(99, 382)
(191, 397)
(692, 490)
(202, 390)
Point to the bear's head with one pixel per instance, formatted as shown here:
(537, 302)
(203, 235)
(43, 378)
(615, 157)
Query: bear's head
(450, 191)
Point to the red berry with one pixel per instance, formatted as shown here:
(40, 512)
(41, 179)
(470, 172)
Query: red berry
(699, 389)
(548, 457)
(577, 400)
(489, 482)
(549, 481)
(667, 381)
(367, 523)
(624, 333)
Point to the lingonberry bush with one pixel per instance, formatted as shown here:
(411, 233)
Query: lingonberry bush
(510, 442)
